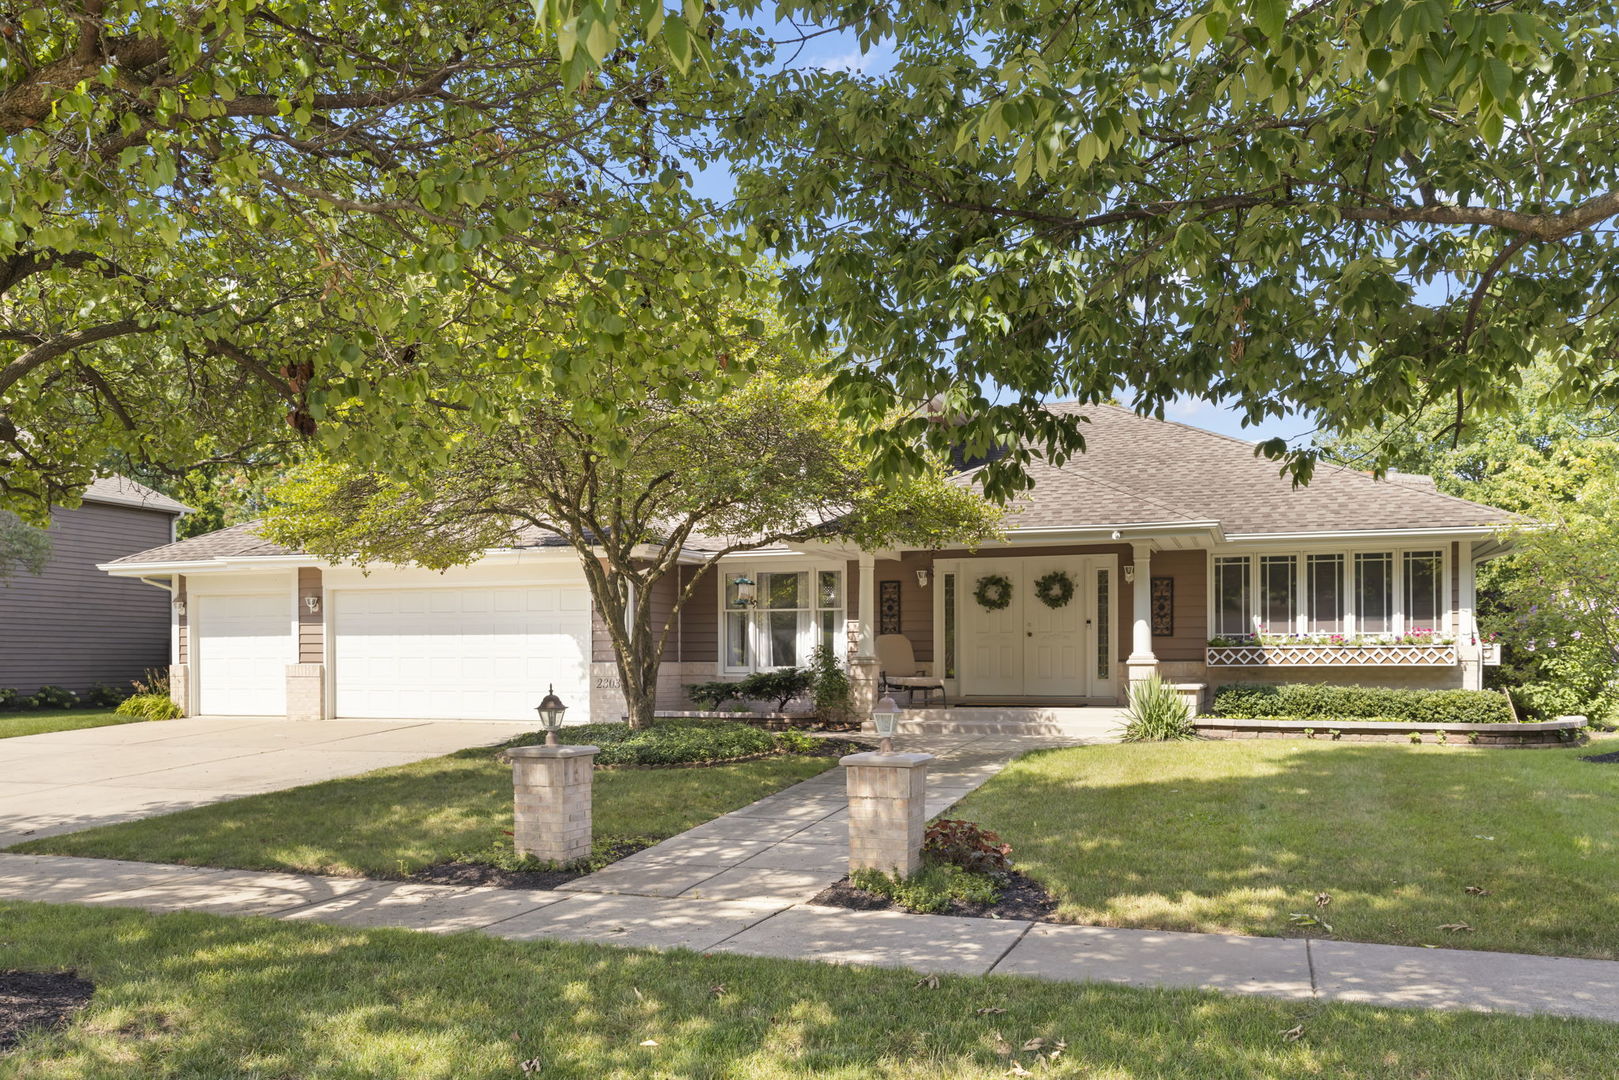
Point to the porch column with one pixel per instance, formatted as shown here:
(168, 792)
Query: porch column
(1467, 644)
(863, 665)
(1141, 663)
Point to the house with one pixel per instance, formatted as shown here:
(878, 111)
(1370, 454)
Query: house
(72, 625)
(1163, 548)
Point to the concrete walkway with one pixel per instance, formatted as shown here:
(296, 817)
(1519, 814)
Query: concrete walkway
(1293, 969)
(789, 846)
(63, 781)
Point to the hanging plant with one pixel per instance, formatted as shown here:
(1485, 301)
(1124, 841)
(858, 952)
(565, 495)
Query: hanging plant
(993, 593)
(1055, 589)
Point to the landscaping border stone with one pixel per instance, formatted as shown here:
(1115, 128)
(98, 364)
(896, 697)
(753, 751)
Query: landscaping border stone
(1563, 731)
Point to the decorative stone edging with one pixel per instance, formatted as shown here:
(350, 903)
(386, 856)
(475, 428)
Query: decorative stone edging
(1560, 732)
(1381, 655)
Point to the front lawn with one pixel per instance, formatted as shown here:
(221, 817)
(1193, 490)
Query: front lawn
(39, 721)
(225, 998)
(396, 821)
(1237, 836)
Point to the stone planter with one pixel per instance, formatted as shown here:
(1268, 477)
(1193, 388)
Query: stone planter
(1560, 732)
(1289, 656)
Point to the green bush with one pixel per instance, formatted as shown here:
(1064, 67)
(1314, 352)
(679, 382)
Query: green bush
(674, 741)
(12, 698)
(1156, 713)
(778, 686)
(102, 696)
(931, 888)
(54, 697)
(149, 707)
(711, 695)
(831, 692)
(1311, 701)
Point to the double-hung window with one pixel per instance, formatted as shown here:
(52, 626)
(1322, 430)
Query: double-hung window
(789, 613)
(1368, 593)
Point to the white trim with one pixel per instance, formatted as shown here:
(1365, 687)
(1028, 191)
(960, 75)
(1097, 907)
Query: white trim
(1363, 535)
(809, 616)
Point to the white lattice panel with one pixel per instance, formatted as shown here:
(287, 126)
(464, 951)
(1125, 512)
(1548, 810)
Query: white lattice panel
(1332, 656)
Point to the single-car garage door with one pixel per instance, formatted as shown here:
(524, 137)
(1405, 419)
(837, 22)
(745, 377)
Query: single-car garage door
(243, 646)
(460, 653)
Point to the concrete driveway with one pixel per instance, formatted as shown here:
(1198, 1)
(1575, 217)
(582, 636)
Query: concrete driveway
(63, 781)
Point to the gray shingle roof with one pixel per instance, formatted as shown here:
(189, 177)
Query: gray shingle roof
(1137, 469)
(244, 542)
(122, 491)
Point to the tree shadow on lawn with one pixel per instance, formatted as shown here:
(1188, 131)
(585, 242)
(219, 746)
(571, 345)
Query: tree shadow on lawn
(1166, 837)
(395, 821)
(197, 995)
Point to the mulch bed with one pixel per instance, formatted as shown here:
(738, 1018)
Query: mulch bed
(1602, 759)
(469, 873)
(1023, 898)
(30, 1000)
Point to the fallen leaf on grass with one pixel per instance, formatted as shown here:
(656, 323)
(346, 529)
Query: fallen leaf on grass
(1455, 927)
(649, 1042)
(1476, 890)
(989, 1010)
(532, 1065)
(1018, 1070)
(1034, 1044)
(1293, 1034)
(1302, 918)
(931, 982)
(717, 990)
(1322, 899)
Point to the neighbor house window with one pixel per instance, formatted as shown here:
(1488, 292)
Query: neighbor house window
(1324, 593)
(792, 612)
(1232, 596)
(1278, 577)
(1424, 582)
(1374, 592)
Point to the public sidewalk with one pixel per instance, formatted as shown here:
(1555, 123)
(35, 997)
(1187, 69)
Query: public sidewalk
(1295, 969)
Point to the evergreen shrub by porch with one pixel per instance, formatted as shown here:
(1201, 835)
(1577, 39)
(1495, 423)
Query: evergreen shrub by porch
(1309, 701)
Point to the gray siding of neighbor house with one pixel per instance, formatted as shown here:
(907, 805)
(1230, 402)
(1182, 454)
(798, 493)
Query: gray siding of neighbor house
(75, 626)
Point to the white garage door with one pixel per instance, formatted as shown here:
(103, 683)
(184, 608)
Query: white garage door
(243, 645)
(460, 653)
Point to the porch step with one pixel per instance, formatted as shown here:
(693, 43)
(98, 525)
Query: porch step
(1073, 721)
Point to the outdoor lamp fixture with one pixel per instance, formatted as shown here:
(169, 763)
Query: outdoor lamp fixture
(746, 590)
(179, 607)
(551, 710)
(312, 603)
(1130, 573)
(922, 577)
(885, 717)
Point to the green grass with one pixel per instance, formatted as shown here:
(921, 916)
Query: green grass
(39, 721)
(1235, 836)
(393, 822)
(199, 996)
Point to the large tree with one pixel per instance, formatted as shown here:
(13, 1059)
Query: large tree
(220, 221)
(1357, 208)
(670, 484)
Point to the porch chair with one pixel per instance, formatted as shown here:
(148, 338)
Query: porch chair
(897, 669)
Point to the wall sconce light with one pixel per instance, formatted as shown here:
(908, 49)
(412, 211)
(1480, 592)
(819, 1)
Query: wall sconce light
(1130, 573)
(312, 603)
(922, 577)
(179, 607)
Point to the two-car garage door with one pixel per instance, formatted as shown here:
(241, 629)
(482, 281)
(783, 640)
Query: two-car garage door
(459, 653)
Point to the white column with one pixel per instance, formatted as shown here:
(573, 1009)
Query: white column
(1141, 662)
(1467, 647)
(866, 647)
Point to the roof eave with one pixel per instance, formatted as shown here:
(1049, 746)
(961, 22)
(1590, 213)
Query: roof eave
(1454, 531)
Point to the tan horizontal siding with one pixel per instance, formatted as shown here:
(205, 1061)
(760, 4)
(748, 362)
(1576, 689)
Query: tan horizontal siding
(311, 625)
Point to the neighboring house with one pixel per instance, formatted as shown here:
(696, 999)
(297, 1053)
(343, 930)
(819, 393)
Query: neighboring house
(72, 625)
(1179, 549)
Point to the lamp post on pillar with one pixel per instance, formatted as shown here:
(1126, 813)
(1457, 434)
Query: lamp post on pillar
(551, 797)
(1141, 664)
(887, 802)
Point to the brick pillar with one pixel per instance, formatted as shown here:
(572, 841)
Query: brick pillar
(887, 810)
(180, 686)
(306, 691)
(551, 801)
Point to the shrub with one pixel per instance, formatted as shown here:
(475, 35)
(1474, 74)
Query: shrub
(711, 695)
(831, 692)
(675, 741)
(149, 707)
(54, 697)
(1156, 713)
(931, 889)
(1312, 701)
(12, 698)
(968, 845)
(778, 686)
(154, 680)
(102, 696)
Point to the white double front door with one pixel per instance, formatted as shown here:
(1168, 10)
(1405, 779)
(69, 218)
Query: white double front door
(1029, 648)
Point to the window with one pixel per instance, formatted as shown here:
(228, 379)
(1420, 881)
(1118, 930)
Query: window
(1424, 579)
(950, 626)
(1232, 596)
(1374, 592)
(1324, 593)
(1104, 669)
(790, 614)
(1278, 577)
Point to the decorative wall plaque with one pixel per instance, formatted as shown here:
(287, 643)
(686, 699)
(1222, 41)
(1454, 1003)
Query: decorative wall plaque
(888, 607)
(1163, 607)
